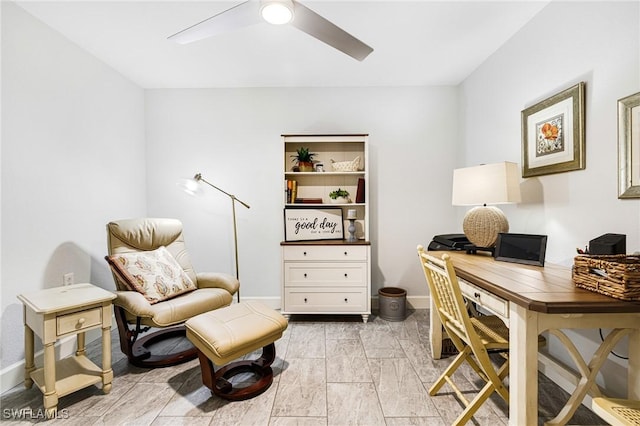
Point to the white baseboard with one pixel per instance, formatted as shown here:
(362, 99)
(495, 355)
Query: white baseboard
(562, 375)
(413, 302)
(272, 302)
(13, 375)
(418, 302)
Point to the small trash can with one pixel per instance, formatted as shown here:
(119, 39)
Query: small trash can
(392, 303)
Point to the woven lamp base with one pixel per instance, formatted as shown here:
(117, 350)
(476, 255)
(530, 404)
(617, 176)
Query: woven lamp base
(482, 225)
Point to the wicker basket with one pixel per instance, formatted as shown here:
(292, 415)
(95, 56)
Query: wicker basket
(448, 348)
(613, 275)
(346, 166)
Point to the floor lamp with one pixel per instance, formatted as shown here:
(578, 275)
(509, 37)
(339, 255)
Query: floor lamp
(191, 187)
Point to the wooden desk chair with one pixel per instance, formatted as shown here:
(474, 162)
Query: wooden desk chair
(617, 412)
(474, 337)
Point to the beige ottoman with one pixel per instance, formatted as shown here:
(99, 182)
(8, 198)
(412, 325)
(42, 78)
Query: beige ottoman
(228, 333)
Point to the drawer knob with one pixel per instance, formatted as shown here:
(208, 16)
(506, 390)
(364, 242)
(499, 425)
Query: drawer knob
(81, 321)
(305, 300)
(346, 300)
(345, 275)
(345, 253)
(305, 275)
(304, 253)
(476, 295)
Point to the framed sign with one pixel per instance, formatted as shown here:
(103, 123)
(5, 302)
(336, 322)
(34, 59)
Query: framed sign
(305, 224)
(553, 134)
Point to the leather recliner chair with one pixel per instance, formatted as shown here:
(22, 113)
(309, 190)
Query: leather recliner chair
(135, 315)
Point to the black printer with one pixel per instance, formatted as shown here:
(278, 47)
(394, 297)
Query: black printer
(449, 242)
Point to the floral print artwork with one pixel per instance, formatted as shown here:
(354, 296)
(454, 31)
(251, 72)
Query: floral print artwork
(550, 136)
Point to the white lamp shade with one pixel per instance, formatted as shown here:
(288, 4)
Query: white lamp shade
(497, 183)
(190, 186)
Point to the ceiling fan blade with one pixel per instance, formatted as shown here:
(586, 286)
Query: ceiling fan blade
(315, 25)
(242, 15)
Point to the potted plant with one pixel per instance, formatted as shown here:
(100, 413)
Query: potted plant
(339, 196)
(304, 159)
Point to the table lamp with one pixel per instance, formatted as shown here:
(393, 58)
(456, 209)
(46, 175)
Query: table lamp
(482, 186)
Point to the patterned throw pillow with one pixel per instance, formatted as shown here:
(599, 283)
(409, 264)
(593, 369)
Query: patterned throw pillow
(155, 274)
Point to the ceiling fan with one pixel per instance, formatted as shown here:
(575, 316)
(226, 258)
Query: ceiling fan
(276, 12)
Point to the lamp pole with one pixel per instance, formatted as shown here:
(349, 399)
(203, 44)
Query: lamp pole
(198, 178)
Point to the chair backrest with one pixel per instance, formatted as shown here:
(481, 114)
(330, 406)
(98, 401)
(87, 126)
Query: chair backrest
(447, 297)
(145, 234)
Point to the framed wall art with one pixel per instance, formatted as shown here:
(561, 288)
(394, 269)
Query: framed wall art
(553, 134)
(307, 224)
(629, 147)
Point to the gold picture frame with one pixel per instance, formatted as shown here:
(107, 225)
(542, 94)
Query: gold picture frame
(629, 146)
(553, 136)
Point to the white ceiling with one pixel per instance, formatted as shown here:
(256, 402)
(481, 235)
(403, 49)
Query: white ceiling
(416, 43)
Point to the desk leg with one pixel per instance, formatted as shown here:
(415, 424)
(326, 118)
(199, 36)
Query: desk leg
(50, 398)
(107, 372)
(523, 368)
(634, 365)
(29, 363)
(435, 331)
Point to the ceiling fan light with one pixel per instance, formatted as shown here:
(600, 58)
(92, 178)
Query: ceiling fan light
(277, 12)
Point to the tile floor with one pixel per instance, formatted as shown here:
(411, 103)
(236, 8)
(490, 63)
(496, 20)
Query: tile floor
(329, 371)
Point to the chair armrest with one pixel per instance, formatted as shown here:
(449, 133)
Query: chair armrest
(134, 303)
(218, 280)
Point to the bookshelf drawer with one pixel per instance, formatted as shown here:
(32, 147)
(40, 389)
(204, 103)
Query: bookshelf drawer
(325, 274)
(325, 253)
(325, 300)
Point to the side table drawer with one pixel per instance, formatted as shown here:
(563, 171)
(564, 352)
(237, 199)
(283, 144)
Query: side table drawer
(325, 253)
(77, 321)
(325, 274)
(326, 300)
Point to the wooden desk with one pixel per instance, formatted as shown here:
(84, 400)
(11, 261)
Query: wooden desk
(533, 299)
(65, 311)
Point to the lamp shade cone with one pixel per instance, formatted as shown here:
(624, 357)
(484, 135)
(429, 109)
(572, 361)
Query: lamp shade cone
(190, 186)
(482, 225)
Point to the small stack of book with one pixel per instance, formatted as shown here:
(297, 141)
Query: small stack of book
(292, 191)
(308, 201)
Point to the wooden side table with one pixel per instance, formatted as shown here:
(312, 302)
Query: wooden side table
(59, 312)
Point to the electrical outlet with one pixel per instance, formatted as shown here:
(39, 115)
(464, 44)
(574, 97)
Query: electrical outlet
(68, 278)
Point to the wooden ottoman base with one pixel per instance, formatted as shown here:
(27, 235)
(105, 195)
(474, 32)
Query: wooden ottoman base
(223, 336)
(218, 381)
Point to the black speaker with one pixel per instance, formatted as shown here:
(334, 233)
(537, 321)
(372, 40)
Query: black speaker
(609, 244)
